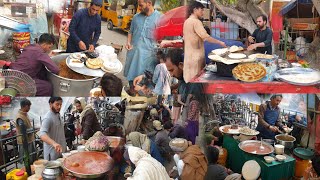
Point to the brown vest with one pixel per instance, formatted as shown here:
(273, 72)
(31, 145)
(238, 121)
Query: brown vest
(25, 118)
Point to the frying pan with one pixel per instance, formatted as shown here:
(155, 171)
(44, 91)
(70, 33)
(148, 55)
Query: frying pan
(90, 164)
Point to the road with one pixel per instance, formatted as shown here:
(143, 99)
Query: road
(116, 36)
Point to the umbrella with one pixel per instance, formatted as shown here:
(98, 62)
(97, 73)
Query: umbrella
(171, 23)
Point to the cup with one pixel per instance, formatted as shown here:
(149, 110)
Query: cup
(279, 149)
(39, 166)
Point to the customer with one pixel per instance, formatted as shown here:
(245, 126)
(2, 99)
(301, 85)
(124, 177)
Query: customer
(176, 109)
(162, 139)
(23, 119)
(161, 76)
(52, 131)
(194, 35)
(190, 161)
(175, 131)
(141, 41)
(142, 141)
(110, 85)
(88, 118)
(147, 168)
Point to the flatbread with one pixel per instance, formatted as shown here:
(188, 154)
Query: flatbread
(94, 63)
(218, 58)
(261, 56)
(111, 66)
(233, 49)
(92, 66)
(220, 52)
(249, 72)
(237, 55)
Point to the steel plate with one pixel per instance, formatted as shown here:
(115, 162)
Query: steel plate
(252, 147)
(87, 71)
(307, 72)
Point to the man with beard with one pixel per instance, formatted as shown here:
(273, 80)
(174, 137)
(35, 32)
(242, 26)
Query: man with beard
(52, 131)
(88, 118)
(85, 28)
(262, 37)
(141, 42)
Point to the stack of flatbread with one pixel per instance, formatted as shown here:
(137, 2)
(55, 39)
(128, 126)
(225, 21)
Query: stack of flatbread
(75, 60)
(94, 63)
(112, 66)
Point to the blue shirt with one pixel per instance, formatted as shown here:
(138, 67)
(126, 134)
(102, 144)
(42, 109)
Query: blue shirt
(208, 47)
(143, 56)
(83, 28)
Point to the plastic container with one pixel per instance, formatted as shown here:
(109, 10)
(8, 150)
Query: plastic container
(301, 166)
(17, 174)
(20, 40)
(39, 166)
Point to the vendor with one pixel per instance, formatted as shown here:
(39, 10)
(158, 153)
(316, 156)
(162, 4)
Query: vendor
(269, 118)
(85, 28)
(262, 37)
(34, 59)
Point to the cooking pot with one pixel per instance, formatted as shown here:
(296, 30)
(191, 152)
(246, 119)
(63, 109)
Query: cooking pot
(286, 140)
(70, 87)
(52, 171)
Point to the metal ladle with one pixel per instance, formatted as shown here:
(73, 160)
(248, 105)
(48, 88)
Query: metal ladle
(261, 146)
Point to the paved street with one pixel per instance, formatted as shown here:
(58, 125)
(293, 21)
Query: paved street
(116, 36)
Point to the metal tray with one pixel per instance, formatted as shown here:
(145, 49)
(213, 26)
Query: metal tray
(254, 143)
(281, 75)
(87, 71)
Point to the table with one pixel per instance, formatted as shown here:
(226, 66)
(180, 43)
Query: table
(216, 84)
(273, 171)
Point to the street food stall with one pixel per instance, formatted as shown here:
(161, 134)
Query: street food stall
(234, 66)
(278, 158)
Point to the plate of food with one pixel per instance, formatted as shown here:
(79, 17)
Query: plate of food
(230, 129)
(237, 55)
(299, 76)
(249, 72)
(113, 67)
(248, 132)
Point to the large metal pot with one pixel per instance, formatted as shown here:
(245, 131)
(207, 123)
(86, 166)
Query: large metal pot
(70, 87)
(286, 140)
(52, 171)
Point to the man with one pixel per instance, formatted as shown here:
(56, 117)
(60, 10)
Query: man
(52, 131)
(88, 118)
(141, 42)
(269, 118)
(34, 59)
(85, 28)
(194, 35)
(22, 119)
(262, 37)
(162, 139)
(176, 131)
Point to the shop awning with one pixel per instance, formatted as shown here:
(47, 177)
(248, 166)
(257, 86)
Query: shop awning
(292, 4)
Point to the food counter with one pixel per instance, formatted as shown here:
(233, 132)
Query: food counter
(275, 170)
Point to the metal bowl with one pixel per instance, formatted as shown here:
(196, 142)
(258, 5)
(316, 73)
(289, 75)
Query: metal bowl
(252, 147)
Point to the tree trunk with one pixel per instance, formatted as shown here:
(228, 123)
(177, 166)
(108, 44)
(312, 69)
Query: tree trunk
(316, 4)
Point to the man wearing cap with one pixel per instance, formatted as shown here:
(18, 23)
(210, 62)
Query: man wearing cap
(269, 118)
(85, 28)
(161, 138)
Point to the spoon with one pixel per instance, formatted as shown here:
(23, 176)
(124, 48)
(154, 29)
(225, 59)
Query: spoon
(261, 146)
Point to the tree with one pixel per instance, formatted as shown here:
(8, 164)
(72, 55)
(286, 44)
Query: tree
(166, 5)
(244, 13)
(316, 4)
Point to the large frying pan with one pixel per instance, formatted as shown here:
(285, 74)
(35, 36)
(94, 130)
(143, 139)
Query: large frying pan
(88, 164)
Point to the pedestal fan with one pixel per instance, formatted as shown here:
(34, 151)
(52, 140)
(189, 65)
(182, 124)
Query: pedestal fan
(19, 81)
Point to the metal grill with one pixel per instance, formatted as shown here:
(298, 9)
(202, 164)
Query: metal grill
(19, 81)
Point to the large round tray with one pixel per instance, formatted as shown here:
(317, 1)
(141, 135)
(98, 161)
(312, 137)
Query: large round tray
(87, 71)
(252, 147)
(91, 164)
(231, 131)
(283, 73)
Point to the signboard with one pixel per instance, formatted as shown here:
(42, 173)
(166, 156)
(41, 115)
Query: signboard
(64, 33)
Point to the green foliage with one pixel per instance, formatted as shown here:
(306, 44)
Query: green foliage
(167, 5)
(228, 2)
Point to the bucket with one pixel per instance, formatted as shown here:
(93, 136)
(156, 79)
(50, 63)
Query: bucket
(17, 174)
(301, 166)
(20, 40)
(39, 166)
